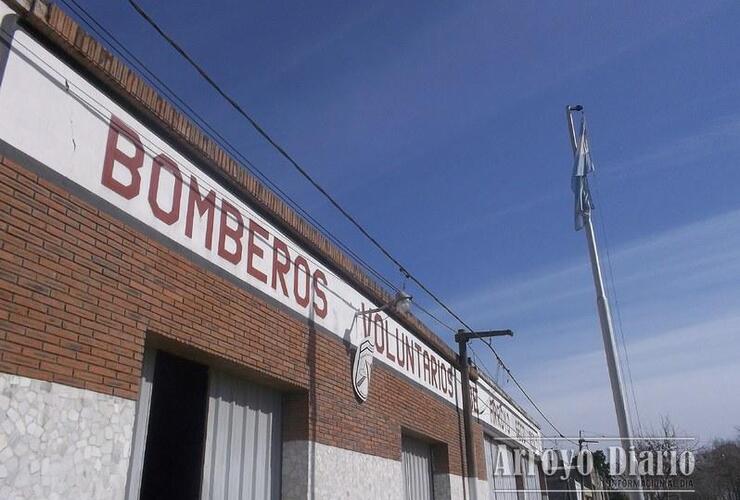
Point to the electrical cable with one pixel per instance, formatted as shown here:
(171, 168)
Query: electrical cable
(148, 146)
(323, 191)
(617, 307)
(526, 394)
(485, 370)
(134, 61)
(131, 58)
(290, 159)
(147, 143)
(329, 197)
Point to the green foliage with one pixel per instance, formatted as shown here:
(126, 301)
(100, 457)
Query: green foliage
(600, 463)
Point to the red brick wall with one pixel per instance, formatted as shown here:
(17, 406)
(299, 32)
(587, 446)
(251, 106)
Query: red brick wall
(80, 291)
(125, 86)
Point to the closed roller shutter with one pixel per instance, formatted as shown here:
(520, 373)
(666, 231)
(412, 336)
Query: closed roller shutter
(531, 480)
(242, 453)
(501, 479)
(417, 469)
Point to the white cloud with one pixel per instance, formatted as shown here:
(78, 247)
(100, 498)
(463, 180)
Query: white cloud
(719, 137)
(689, 373)
(680, 304)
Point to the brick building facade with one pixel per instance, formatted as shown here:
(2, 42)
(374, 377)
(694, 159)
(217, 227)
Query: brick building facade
(162, 312)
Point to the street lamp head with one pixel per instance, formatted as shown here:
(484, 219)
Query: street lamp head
(402, 302)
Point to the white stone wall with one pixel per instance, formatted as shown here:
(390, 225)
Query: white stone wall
(59, 442)
(294, 469)
(450, 487)
(482, 491)
(316, 471)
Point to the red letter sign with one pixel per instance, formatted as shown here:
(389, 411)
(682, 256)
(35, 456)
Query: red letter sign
(113, 155)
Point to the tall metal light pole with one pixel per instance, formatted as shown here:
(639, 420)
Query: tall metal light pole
(607, 330)
(462, 338)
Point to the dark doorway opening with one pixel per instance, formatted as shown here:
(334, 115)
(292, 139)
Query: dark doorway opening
(176, 433)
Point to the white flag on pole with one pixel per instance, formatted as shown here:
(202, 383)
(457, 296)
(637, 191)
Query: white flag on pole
(579, 183)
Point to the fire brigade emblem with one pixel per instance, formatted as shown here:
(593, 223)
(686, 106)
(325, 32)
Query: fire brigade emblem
(361, 368)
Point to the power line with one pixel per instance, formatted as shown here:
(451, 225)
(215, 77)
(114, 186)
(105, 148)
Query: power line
(445, 325)
(124, 52)
(612, 282)
(519, 386)
(261, 131)
(127, 55)
(147, 143)
(485, 370)
(149, 147)
(320, 188)
(291, 160)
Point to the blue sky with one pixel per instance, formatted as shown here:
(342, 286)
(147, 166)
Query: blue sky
(441, 127)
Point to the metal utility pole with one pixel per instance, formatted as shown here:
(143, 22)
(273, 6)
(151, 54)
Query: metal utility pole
(462, 338)
(582, 441)
(607, 330)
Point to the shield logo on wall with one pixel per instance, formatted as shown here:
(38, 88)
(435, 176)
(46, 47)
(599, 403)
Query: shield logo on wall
(361, 368)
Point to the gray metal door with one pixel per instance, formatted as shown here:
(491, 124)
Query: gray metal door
(242, 452)
(531, 479)
(500, 470)
(417, 469)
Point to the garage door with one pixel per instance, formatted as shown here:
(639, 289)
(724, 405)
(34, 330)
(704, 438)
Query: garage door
(417, 469)
(242, 452)
(500, 470)
(531, 480)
